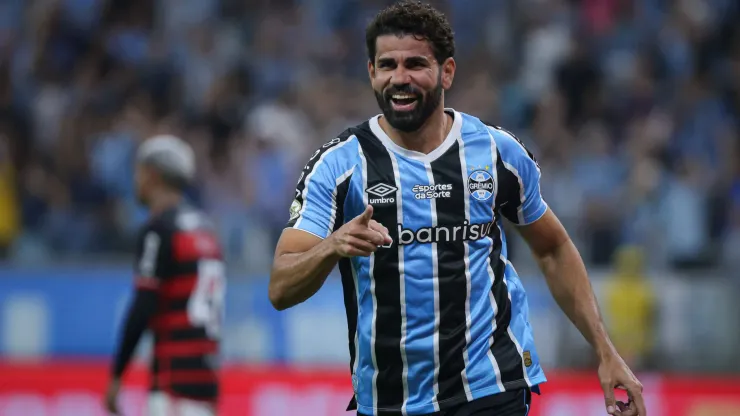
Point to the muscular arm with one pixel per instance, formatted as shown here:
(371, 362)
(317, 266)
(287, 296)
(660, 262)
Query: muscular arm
(520, 201)
(302, 263)
(567, 279)
(311, 245)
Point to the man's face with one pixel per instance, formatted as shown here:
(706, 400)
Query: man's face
(142, 179)
(407, 80)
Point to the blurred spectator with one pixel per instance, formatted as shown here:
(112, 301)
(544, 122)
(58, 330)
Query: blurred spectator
(600, 171)
(631, 308)
(9, 209)
(732, 236)
(631, 107)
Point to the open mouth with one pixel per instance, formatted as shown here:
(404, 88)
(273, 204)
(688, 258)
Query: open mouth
(403, 102)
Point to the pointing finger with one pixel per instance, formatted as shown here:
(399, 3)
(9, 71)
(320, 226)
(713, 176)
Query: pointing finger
(365, 217)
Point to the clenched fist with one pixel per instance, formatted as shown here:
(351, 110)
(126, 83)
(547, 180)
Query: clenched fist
(360, 237)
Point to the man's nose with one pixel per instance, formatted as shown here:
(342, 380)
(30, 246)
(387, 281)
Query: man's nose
(400, 76)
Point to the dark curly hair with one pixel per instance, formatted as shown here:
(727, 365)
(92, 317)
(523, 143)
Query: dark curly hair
(416, 19)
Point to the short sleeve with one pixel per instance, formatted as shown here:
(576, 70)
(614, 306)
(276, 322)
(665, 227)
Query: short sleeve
(314, 207)
(519, 198)
(149, 258)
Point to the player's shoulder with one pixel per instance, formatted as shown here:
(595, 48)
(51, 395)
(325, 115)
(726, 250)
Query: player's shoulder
(337, 142)
(190, 218)
(472, 125)
(181, 218)
(157, 224)
(152, 235)
(508, 144)
(496, 133)
(334, 156)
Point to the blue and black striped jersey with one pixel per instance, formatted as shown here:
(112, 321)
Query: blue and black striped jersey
(439, 317)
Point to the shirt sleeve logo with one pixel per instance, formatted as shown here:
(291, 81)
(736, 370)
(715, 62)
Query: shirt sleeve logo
(527, 356)
(295, 209)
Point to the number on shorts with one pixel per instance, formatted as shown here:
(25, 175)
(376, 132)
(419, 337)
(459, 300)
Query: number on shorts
(206, 304)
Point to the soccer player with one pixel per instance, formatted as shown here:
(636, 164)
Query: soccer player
(410, 205)
(180, 288)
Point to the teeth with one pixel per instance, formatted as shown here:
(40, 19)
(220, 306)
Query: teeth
(403, 97)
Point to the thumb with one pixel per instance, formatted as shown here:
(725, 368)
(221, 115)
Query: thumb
(609, 400)
(366, 216)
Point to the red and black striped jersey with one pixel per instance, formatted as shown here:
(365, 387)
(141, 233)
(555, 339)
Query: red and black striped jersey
(179, 257)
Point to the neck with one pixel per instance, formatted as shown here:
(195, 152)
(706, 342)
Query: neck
(164, 200)
(427, 138)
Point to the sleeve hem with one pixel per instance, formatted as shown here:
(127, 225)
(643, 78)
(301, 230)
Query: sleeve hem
(306, 231)
(534, 217)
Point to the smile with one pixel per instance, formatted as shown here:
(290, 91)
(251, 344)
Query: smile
(403, 102)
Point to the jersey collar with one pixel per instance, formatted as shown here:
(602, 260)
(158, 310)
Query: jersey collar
(451, 138)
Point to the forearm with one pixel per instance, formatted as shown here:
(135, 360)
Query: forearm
(137, 320)
(296, 277)
(569, 284)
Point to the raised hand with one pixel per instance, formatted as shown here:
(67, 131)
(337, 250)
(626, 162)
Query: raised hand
(361, 236)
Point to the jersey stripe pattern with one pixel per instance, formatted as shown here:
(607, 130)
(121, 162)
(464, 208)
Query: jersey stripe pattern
(180, 254)
(439, 317)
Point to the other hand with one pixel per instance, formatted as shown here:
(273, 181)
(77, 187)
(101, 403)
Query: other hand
(111, 397)
(361, 236)
(615, 374)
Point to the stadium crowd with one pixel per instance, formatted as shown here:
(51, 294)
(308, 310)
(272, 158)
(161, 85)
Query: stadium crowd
(632, 108)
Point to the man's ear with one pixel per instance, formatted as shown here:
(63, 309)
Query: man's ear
(447, 72)
(370, 69)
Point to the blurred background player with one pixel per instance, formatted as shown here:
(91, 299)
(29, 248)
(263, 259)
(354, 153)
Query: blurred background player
(180, 288)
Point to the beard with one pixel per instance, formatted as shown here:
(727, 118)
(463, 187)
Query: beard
(141, 199)
(410, 120)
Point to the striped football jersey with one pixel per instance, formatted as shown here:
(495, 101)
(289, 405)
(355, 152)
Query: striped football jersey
(439, 317)
(179, 257)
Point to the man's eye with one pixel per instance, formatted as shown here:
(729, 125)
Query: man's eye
(415, 64)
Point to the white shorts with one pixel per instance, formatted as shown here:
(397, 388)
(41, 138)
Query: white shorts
(162, 404)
